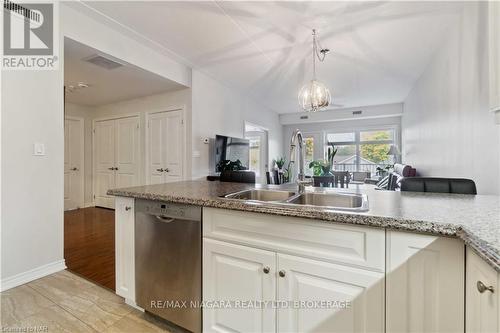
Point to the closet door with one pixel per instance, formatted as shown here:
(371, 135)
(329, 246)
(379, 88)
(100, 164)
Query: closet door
(127, 152)
(155, 147)
(174, 146)
(104, 162)
(165, 147)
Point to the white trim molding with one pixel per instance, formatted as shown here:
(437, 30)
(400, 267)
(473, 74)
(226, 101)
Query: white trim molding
(33, 274)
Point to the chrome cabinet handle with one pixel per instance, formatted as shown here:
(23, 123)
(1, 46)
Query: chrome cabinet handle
(266, 269)
(111, 168)
(282, 273)
(481, 287)
(167, 170)
(116, 168)
(127, 208)
(160, 170)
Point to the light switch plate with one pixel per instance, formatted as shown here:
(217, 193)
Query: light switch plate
(39, 149)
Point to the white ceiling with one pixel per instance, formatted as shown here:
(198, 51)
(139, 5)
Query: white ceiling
(378, 49)
(107, 86)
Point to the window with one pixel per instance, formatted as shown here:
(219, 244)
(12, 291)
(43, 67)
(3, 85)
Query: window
(255, 155)
(309, 152)
(362, 150)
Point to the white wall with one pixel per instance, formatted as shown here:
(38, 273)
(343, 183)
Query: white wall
(86, 113)
(447, 128)
(218, 109)
(32, 111)
(32, 186)
(367, 112)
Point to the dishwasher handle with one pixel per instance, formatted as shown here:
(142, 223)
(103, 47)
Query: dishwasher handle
(164, 219)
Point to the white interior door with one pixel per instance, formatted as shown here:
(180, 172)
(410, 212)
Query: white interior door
(73, 163)
(165, 147)
(104, 162)
(156, 127)
(127, 152)
(174, 146)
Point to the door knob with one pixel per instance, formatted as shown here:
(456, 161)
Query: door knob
(282, 273)
(160, 170)
(111, 168)
(116, 168)
(167, 170)
(266, 269)
(74, 169)
(127, 208)
(481, 287)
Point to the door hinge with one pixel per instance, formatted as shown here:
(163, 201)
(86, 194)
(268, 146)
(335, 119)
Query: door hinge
(94, 196)
(182, 121)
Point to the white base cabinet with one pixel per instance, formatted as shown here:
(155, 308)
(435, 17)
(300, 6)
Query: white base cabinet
(304, 293)
(124, 248)
(482, 296)
(425, 283)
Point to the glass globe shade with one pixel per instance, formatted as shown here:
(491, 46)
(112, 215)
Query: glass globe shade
(314, 96)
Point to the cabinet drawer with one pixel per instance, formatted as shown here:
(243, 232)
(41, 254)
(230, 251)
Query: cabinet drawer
(351, 245)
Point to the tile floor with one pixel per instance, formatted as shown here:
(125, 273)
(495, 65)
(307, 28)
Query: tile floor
(65, 302)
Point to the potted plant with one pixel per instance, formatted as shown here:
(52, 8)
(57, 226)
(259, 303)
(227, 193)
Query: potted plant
(324, 167)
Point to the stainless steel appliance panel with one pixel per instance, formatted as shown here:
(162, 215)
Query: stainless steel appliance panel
(168, 261)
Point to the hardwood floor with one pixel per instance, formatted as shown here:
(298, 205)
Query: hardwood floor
(89, 244)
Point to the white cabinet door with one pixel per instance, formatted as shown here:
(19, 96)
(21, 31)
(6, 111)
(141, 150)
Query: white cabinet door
(494, 56)
(127, 152)
(238, 273)
(73, 163)
(165, 147)
(425, 283)
(482, 306)
(124, 248)
(104, 162)
(356, 297)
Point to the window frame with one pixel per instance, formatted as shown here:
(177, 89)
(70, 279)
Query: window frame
(357, 139)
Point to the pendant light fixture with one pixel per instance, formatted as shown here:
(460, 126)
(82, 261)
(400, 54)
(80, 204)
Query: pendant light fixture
(315, 95)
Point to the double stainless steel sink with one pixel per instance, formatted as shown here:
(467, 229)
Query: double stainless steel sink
(322, 199)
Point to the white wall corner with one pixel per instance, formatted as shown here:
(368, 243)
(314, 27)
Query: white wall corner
(31, 275)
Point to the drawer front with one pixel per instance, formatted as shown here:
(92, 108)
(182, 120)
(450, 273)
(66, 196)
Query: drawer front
(351, 245)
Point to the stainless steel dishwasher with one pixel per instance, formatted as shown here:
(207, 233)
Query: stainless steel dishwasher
(168, 261)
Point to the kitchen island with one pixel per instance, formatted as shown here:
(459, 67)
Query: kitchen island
(406, 252)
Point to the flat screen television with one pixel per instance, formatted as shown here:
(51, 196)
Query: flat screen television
(232, 149)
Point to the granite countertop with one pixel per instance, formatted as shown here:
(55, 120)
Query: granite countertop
(473, 218)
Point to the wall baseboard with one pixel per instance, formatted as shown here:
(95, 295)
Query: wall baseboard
(88, 204)
(33, 274)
